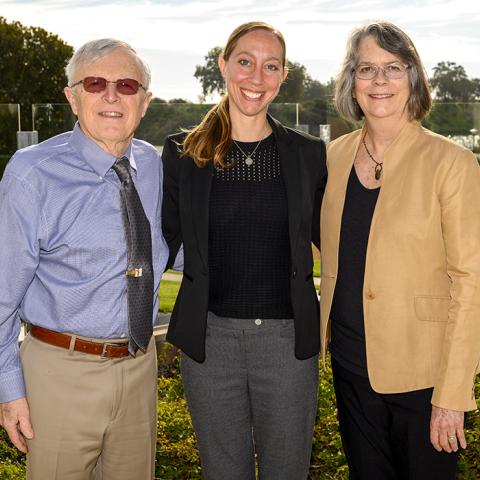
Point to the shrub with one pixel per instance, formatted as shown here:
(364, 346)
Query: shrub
(177, 456)
(12, 462)
(328, 461)
(469, 462)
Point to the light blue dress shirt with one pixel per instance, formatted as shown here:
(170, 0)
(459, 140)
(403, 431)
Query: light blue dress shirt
(63, 252)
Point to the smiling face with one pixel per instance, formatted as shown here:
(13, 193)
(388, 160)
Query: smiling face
(109, 118)
(381, 98)
(253, 72)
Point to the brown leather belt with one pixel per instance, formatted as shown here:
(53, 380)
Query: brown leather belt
(104, 349)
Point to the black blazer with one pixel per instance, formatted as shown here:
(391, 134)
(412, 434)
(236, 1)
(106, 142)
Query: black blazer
(185, 220)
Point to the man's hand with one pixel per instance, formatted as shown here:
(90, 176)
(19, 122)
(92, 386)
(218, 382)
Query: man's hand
(446, 429)
(15, 419)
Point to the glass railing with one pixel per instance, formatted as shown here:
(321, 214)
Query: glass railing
(50, 119)
(460, 121)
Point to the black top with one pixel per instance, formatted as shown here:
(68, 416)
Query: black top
(248, 239)
(348, 331)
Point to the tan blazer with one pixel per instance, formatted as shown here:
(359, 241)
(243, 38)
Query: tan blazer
(422, 276)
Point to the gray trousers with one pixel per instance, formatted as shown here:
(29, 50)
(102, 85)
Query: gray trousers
(252, 396)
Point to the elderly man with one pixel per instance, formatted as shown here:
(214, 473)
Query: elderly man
(81, 257)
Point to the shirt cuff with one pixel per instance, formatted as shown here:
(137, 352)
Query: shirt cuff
(12, 385)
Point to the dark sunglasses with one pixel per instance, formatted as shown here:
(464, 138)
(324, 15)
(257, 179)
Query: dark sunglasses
(125, 86)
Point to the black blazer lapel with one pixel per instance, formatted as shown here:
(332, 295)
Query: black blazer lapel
(201, 179)
(289, 163)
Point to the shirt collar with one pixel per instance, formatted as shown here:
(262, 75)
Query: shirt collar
(98, 159)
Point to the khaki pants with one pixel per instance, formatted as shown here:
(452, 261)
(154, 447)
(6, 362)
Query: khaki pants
(93, 418)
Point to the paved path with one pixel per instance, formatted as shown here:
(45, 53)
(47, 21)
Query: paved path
(174, 277)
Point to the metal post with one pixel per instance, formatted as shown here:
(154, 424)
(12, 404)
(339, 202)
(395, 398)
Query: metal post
(26, 138)
(296, 116)
(473, 131)
(33, 116)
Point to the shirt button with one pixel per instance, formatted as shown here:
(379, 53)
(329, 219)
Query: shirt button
(258, 321)
(370, 295)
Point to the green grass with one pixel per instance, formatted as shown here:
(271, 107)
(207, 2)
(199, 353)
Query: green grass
(316, 267)
(174, 272)
(167, 294)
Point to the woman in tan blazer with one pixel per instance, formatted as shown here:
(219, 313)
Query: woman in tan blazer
(400, 297)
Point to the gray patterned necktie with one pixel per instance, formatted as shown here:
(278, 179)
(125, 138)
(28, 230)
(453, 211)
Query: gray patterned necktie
(139, 271)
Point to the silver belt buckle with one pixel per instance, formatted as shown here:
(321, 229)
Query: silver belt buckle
(109, 344)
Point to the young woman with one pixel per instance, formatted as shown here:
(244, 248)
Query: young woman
(242, 193)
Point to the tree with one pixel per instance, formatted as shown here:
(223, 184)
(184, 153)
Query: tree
(451, 84)
(315, 89)
(293, 87)
(476, 89)
(450, 119)
(209, 75)
(32, 67)
(178, 100)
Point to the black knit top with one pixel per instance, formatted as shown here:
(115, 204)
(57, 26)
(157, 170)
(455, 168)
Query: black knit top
(347, 344)
(249, 246)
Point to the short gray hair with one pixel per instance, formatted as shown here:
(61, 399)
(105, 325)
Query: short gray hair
(97, 49)
(393, 40)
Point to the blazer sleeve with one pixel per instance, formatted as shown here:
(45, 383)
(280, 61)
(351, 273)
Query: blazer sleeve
(460, 222)
(170, 208)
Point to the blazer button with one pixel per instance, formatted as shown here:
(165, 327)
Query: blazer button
(370, 295)
(294, 274)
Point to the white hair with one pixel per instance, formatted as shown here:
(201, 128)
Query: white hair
(97, 49)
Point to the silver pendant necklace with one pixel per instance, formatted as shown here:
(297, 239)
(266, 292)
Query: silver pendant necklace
(248, 158)
(378, 165)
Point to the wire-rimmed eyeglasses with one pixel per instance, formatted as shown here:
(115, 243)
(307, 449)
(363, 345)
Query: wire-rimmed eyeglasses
(391, 71)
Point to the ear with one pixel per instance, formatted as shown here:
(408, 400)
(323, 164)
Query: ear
(146, 102)
(285, 73)
(71, 99)
(222, 65)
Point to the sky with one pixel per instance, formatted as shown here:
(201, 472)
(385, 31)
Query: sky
(175, 35)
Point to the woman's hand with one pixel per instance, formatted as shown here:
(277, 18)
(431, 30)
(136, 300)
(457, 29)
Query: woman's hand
(446, 429)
